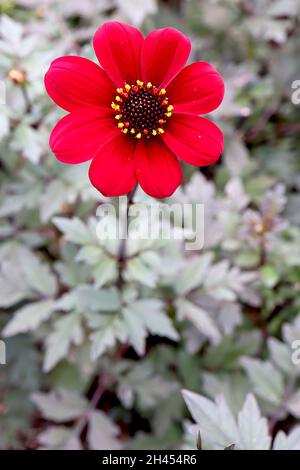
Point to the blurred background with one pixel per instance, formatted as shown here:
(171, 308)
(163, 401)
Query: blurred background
(86, 365)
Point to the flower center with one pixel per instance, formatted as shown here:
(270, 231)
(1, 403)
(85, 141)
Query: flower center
(141, 109)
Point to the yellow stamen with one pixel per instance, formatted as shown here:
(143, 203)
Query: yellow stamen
(118, 98)
(170, 108)
(125, 131)
(132, 131)
(149, 85)
(160, 130)
(138, 136)
(127, 87)
(121, 124)
(118, 116)
(115, 106)
(120, 90)
(162, 91)
(168, 114)
(154, 132)
(139, 83)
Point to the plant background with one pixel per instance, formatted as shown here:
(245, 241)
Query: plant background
(92, 366)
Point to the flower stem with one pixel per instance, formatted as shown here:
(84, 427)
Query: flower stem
(122, 248)
(28, 105)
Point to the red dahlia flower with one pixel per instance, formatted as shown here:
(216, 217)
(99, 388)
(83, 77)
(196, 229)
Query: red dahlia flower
(139, 113)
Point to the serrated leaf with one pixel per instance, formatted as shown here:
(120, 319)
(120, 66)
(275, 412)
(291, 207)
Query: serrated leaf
(219, 428)
(60, 406)
(193, 274)
(52, 199)
(253, 428)
(138, 271)
(66, 330)
(267, 381)
(281, 356)
(54, 437)
(291, 441)
(293, 404)
(105, 272)
(135, 329)
(38, 274)
(75, 230)
(29, 317)
(90, 254)
(151, 311)
(102, 432)
(86, 297)
(111, 330)
(200, 318)
(13, 286)
(217, 424)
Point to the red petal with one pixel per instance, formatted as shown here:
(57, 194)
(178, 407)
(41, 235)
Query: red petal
(78, 136)
(164, 54)
(198, 89)
(118, 48)
(157, 170)
(194, 139)
(74, 82)
(112, 171)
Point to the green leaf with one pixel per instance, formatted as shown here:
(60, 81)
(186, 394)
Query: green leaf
(29, 317)
(38, 274)
(135, 329)
(143, 316)
(291, 441)
(266, 379)
(293, 404)
(281, 356)
(76, 231)
(52, 199)
(13, 286)
(137, 270)
(102, 432)
(111, 329)
(199, 318)
(54, 437)
(151, 312)
(60, 406)
(193, 274)
(66, 330)
(269, 275)
(253, 428)
(218, 426)
(105, 272)
(86, 297)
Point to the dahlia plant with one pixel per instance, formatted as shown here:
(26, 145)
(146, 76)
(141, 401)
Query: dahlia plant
(110, 343)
